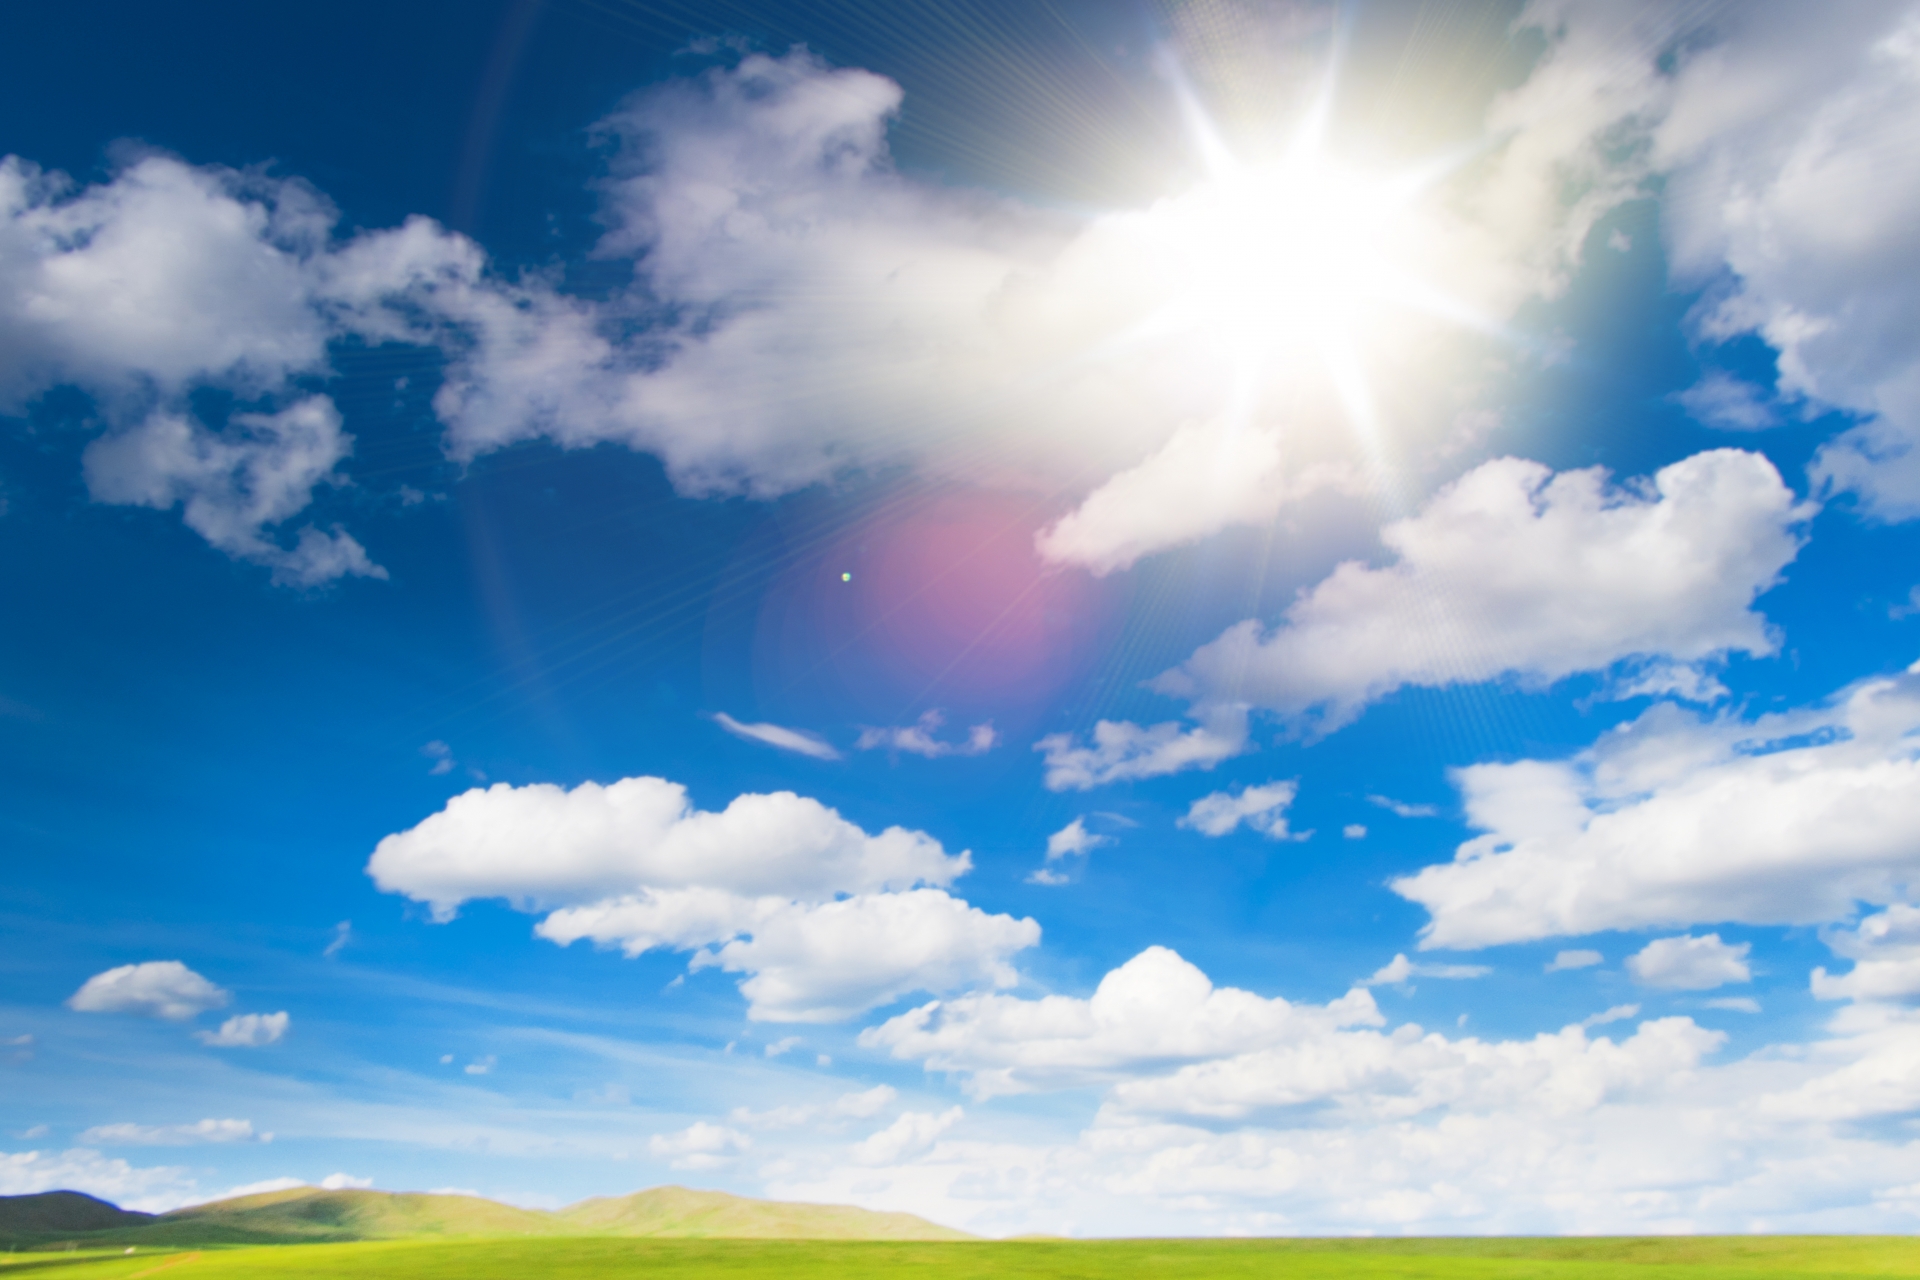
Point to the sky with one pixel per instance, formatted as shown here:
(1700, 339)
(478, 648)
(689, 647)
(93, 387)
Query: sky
(1181, 617)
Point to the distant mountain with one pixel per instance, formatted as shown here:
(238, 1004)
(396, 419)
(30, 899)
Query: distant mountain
(310, 1215)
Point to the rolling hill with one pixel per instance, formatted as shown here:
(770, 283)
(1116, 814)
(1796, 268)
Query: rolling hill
(311, 1215)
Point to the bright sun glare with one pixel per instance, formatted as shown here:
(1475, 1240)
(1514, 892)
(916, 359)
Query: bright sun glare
(1285, 255)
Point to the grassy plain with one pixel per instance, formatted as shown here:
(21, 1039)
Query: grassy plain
(601, 1258)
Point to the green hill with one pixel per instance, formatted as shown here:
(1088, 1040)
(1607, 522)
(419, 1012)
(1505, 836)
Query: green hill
(54, 1212)
(681, 1212)
(311, 1215)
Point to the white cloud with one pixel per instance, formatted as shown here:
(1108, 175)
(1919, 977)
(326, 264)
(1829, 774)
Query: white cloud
(1354, 831)
(1123, 751)
(912, 1133)
(259, 1188)
(1581, 959)
(342, 935)
(918, 738)
(1721, 400)
(829, 962)
(1401, 809)
(1399, 969)
(150, 1190)
(1690, 964)
(174, 1135)
(1676, 819)
(1072, 840)
(344, 1182)
(246, 1031)
(232, 486)
(442, 756)
(1207, 477)
(481, 1066)
(1885, 950)
(156, 988)
(786, 1044)
(1512, 570)
(1263, 808)
(1618, 1013)
(1155, 1009)
(699, 1146)
(542, 845)
(797, 741)
(167, 278)
(1739, 1004)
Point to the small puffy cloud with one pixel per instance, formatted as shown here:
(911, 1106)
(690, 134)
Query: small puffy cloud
(699, 1146)
(1263, 808)
(797, 741)
(1582, 959)
(156, 989)
(1677, 819)
(1885, 950)
(481, 1066)
(543, 845)
(918, 738)
(174, 1135)
(1729, 403)
(344, 1182)
(1123, 751)
(1513, 570)
(233, 486)
(246, 1031)
(1738, 1004)
(786, 1044)
(830, 962)
(1400, 969)
(1072, 840)
(912, 1133)
(1690, 964)
(1354, 831)
(1401, 809)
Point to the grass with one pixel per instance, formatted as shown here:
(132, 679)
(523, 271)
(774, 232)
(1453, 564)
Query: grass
(602, 1258)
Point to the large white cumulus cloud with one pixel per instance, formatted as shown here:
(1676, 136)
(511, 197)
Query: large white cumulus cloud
(825, 919)
(1674, 820)
(1514, 570)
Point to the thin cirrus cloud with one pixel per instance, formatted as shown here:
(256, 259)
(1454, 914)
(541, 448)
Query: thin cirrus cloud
(821, 918)
(174, 1135)
(798, 741)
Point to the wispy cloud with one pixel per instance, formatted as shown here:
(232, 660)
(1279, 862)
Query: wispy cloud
(797, 741)
(917, 738)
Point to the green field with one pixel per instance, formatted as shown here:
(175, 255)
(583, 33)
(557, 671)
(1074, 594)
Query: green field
(588, 1258)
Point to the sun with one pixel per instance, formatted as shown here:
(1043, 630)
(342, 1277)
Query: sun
(1273, 259)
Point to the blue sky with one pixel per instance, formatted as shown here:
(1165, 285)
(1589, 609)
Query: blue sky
(1187, 618)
